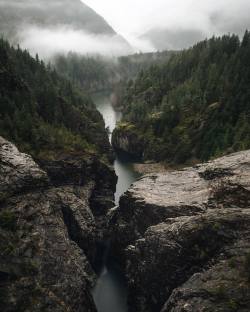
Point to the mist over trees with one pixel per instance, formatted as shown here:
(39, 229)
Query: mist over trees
(21, 13)
(99, 73)
(43, 113)
(181, 24)
(175, 100)
(49, 27)
(177, 39)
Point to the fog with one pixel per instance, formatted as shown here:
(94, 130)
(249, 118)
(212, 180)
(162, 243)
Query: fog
(51, 41)
(122, 26)
(59, 26)
(166, 23)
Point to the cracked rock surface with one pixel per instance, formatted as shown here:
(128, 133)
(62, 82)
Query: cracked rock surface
(174, 229)
(48, 234)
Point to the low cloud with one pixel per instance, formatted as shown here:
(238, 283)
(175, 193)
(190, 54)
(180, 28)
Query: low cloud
(50, 41)
(173, 39)
(52, 26)
(175, 23)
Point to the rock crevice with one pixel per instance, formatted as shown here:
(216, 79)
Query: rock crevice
(48, 231)
(172, 226)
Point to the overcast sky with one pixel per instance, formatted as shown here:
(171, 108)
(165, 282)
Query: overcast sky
(133, 17)
(148, 25)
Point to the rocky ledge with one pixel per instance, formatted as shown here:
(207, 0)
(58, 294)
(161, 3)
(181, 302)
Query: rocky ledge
(125, 140)
(184, 237)
(49, 230)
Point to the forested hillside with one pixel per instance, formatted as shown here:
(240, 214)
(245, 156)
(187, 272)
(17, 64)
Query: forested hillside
(16, 14)
(195, 107)
(43, 113)
(91, 73)
(99, 73)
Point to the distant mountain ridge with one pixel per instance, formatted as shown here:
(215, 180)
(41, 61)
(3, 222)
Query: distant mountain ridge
(191, 109)
(72, 13)
(168, 39)
(16, 15)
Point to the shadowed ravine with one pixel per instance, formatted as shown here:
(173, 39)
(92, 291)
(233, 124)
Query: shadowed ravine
(110, 294)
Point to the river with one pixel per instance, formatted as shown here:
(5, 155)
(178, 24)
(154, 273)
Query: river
(110, 294)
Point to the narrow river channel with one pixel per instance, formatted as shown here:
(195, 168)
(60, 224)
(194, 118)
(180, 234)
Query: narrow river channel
(110, 293)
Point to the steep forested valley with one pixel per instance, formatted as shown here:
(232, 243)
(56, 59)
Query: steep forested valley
(99, 73)
(52, 210)
(194, 107)
(124, 175)
(43, 113)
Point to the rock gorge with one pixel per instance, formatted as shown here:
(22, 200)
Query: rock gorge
(50, 231)
(183, 238)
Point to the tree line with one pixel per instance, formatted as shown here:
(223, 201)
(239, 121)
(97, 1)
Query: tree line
(42, 112)
(196, 106)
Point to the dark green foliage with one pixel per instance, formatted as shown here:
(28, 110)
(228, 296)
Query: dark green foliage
(90, 73)
(97, 73)
(197, 105)
(40, 111)
(8, 221)
(247, 266)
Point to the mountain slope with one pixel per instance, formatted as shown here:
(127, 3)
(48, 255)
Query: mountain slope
(43, 113)
(71, 13)
(194, 107)
(95, 74)
(168, 39)
(52, 211)
(19, 17)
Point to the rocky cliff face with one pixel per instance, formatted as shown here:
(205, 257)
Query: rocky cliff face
(126, 140)
(49, 231)
(185, 239)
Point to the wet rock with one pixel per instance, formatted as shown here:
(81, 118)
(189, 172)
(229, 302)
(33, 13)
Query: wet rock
(223, 287)
(153, 199)
(79, 170)
(18, 172)
(68, 169)
(156, 197)
(172, 225)
(102, 199)
(126, 140)
(48, 231)
(173, 251)
(46, 269)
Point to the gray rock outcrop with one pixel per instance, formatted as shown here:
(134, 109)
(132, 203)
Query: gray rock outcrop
(223, 287)
(125, 140)
(170, 227)
(18, 172)
(48, 233)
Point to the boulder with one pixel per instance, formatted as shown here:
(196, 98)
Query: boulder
(49, 232)
(170, 226)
